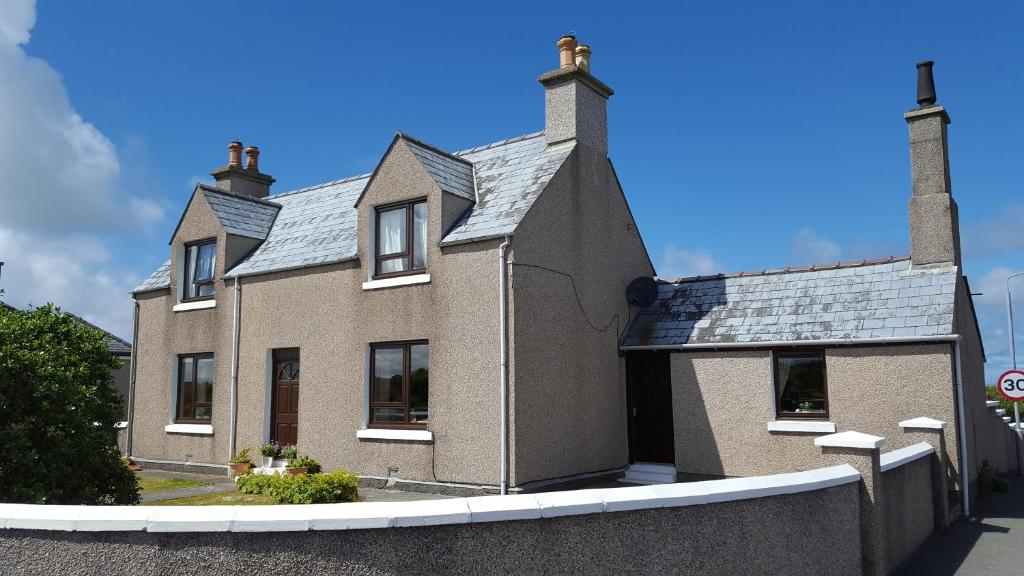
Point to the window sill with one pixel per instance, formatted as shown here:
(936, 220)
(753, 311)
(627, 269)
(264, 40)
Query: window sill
(409, 280)
(197, 305)
(201, 429)
(817, 427)
(395, 434)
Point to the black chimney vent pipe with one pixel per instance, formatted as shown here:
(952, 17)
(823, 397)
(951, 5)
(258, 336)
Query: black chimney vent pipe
(925, 84)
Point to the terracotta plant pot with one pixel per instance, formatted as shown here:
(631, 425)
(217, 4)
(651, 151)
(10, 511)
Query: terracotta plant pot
(296, 471)
(240, 469)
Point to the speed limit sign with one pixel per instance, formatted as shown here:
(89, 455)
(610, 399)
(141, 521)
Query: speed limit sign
(1011, 385)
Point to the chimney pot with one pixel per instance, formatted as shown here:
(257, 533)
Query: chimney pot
(925, 84)
(252, 159)
(583, 57)
(566, 49)
(235, 153)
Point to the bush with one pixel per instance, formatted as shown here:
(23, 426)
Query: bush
(57, 413)
(242, 457)
(336, 486)
(305, 461)
(289, 453)
(269, 450)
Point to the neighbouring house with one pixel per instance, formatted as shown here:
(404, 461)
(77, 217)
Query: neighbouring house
(487, 318)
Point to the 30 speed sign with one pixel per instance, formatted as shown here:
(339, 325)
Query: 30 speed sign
(1011, 385)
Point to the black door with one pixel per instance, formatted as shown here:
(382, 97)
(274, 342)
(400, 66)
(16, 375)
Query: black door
(649, 385)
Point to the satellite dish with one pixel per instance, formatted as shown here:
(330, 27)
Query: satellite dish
(642, 292)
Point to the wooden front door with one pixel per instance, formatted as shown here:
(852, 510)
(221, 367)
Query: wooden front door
(649, 385)
(284, 409)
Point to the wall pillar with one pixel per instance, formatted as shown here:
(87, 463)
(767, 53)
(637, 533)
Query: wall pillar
(933, 432)
(862, 451)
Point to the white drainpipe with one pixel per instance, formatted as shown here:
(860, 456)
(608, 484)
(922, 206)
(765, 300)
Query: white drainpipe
(131, 381)
(234, 372)
(965, 480)
(503, 323)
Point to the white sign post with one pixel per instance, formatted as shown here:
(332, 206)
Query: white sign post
(1011, 386)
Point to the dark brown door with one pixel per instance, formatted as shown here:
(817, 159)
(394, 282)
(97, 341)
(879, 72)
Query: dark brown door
(284, 410)
(649, 383)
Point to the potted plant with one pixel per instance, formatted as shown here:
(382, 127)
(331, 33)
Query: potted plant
(805, 407)
(303, 465)
(269, 451)
(288, 453)
(241, 464)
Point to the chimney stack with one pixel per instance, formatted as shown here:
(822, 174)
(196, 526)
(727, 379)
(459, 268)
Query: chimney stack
(248, 181)
(934, 219)
(575, 102)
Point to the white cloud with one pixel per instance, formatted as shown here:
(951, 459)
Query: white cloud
(73, 272)
(61, 185)
(59, 172)
(679, 263)
(807, 247)
(17, 17)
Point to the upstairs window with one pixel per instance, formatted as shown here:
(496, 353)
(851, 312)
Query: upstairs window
(401, 239)
(800, 385)
(400, 385)
(195, 389)
(200, 261)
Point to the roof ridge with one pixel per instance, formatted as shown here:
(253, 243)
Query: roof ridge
(499, 143)
(323, 185)
(432, 148)
(214, 189)
(790, 269)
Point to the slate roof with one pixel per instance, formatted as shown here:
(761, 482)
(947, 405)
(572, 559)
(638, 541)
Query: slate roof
(317, 225)
(871, 299)
(115, 345)
(451, 173)
(239, 215)
(158, 280)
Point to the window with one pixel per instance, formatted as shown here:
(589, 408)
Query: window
(400, 376)
(399, 251)
(195, 389)
(800, 385)
(200, 261)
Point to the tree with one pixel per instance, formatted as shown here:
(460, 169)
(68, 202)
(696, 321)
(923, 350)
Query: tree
(58, 410)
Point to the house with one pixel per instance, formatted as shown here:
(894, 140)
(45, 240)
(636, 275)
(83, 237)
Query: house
(459, 321)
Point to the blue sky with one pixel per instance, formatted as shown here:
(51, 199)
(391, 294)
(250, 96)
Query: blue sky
(746, 135)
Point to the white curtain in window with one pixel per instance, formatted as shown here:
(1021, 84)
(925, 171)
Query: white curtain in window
(392, 231)
(784, 366)
(207, 258)
(419, 245)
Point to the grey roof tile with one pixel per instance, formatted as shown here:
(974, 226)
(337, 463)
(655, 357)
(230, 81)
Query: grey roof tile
(240, 215)
(870, 300)
(317, 225)
(158, 280)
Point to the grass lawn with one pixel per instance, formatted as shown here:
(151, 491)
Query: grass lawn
(216, 499)
(150, 484)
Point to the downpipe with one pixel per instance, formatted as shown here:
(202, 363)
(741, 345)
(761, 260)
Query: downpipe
(234, 371)
(503, 323)
(965, 477)
(131, 381)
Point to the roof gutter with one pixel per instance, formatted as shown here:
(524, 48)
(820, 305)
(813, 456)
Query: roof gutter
(793, 343)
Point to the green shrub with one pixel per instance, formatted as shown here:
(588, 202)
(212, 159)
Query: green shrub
(58, 409)
(336, 486)
(305, 461)
(242, 457)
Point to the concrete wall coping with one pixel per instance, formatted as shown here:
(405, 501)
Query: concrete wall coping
(364, 515)
(850, 439)
(924, 422)
(898, 458)
(992, 403)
